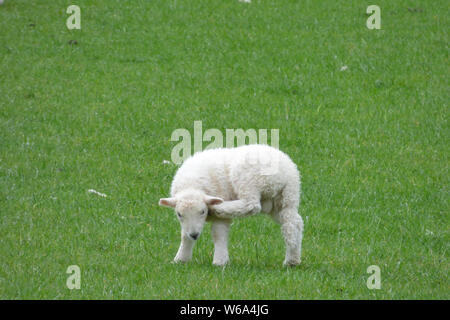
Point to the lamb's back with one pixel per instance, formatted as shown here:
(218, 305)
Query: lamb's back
(221, 172)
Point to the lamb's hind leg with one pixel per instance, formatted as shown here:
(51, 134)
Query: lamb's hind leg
(292, 229)
(238, 208)
(286, 214)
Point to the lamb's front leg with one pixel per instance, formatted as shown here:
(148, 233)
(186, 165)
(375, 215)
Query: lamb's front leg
(184, 253)
(237, 208)
(219, 231)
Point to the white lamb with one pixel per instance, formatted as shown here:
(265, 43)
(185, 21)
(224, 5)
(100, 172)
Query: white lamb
(217, 185)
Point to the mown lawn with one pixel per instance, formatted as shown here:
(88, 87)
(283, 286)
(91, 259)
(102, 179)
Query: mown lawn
(364, 114)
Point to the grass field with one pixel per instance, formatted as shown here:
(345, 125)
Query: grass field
(364, 114)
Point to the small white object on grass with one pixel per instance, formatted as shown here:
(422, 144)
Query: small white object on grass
(97, 193)
(246, 1)
(166, 162)
(343, 68)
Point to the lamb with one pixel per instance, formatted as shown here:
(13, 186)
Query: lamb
(217, 185)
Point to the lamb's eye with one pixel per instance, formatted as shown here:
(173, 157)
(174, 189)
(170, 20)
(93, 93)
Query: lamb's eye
(179, 215)
(204, 212)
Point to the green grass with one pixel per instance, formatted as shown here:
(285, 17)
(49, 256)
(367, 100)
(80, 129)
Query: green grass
(372, 144)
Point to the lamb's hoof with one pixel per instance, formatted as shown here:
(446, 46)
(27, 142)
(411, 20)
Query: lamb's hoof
(218, 214)
(220, 263)
(291, 263)
(177, 260)
(217, 210)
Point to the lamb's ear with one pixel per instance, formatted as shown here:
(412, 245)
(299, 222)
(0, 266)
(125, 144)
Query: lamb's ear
(210, 201)
(168, 202)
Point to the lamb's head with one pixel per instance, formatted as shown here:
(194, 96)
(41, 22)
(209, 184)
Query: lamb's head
(191, 207)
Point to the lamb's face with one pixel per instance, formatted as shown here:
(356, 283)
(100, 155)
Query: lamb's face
(192, 216)
(191, 208)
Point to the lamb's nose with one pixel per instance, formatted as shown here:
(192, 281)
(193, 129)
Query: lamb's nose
(194, 235)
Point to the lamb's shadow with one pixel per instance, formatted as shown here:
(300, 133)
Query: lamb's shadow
(254, 266)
